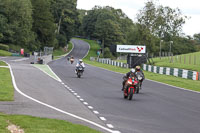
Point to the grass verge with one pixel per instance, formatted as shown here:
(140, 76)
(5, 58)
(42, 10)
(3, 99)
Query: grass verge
(46, 69)
(3, 63)
(61, 51)
(41, 125)
(6, 87)
(5, 53)
(171, 80)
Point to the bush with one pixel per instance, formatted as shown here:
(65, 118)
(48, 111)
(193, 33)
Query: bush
(4, 47)
(4, 53)
(107, 53)
(61, 40)
(16, 48)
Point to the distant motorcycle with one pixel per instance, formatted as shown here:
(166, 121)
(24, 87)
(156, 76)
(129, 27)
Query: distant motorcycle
(79, 72)
(140, 78)
(72, 60)
(130, 88)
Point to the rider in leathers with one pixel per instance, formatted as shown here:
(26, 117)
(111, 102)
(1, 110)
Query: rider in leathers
(129, 74)
(137, 69)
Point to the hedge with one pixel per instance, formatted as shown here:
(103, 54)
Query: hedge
(4, 47)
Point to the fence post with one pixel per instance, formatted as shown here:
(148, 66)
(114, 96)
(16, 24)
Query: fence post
(189, 59)
(184, 59)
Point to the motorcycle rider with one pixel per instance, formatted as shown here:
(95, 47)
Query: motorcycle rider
(126, 77)
(71, 59)
(79, 63)
(137, 69)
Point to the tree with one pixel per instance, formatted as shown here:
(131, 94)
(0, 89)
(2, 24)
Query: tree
(66, 17)
(43, 24)
(162, 22)
(16, 22)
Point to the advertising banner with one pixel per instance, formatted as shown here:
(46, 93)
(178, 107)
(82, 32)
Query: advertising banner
(131, 49)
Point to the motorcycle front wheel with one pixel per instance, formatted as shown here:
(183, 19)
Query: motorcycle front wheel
(130, 95)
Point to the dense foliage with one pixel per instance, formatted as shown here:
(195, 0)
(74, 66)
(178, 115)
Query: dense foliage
(154, 23)
(34, 24)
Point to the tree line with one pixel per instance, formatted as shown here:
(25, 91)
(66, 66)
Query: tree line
(33, 24)
(156, 25)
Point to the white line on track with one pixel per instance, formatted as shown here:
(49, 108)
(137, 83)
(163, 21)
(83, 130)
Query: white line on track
(22, 59)
(78, 96)
(81, 99)
(47, 73)
(102, 118)
(96, 112)
(110, 125)
(85, 103)
(90, 107)
(54, 74)
(54, 108)
(4, 66)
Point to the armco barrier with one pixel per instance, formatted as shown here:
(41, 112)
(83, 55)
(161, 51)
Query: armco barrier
(187, 74)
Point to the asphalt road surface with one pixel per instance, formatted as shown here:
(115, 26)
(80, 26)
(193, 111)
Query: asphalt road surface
(157, 109)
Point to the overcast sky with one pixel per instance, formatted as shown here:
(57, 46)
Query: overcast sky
(190, 8)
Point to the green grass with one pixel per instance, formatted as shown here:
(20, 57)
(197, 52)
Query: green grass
(3, 63)
(6, 87)
(171, 80)
(5, 53)
(61, 51)
(185, 61)
(46, 69)
(41, 125)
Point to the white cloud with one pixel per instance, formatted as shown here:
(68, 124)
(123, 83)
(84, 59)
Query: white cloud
(131, 8)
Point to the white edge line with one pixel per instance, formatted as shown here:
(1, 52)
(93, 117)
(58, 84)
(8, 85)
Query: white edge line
(54, 74)
(151, 80)
(4, 66)
(54, 108)
(46, 73)
(21, 59)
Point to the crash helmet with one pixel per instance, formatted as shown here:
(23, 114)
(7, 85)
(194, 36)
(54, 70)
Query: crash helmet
(137, 68)
(132, 70)
(80, 60)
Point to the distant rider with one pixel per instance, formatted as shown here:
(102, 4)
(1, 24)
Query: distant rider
(126, 77)
(138, 70)
(79, 64)
(71, 59)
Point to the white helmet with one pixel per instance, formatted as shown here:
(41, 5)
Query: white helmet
(132, 70)
(80, 60)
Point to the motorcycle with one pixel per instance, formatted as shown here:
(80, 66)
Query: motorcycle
(130, 88)
(79, 71)
(139, 77)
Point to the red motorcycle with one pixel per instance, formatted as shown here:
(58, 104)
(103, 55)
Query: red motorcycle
(130, 88)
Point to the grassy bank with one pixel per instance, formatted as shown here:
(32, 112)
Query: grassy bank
(189, 61)
(6, 87)
(61, 51)
(5, 53)
(3, 63)
(171, 80)
(41, 125)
